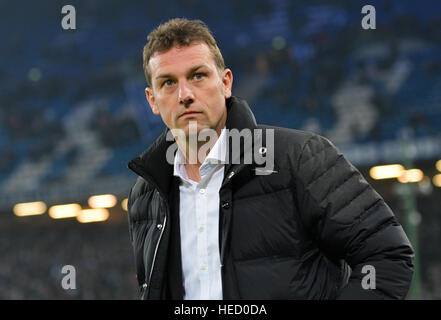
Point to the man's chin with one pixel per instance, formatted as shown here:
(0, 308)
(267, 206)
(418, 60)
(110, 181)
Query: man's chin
(200, 132)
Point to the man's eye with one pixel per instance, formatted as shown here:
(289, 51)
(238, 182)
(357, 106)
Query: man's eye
(199, 76)
(167, 83)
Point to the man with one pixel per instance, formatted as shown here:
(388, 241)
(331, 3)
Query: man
(220, 227)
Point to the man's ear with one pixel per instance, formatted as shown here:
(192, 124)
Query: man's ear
(227, 80)
(151, 99)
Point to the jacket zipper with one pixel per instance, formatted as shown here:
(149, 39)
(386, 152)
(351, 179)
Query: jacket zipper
(156, 249)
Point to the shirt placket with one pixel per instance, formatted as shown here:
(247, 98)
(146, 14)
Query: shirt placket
(201, 214)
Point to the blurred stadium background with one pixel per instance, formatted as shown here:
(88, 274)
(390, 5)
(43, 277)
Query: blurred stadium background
(73, 113)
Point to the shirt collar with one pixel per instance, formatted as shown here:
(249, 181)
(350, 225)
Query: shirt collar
(217, 155)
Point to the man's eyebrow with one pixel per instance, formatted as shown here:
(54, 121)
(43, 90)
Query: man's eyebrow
(192, 70)
(165, 75)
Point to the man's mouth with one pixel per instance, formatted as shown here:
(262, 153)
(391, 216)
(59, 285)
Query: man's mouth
(189, 114)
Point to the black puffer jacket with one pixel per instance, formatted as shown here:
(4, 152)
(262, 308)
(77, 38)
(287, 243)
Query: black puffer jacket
(287, 235)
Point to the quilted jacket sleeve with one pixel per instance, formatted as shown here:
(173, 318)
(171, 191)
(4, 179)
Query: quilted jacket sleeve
(129, 206)
(351, 221)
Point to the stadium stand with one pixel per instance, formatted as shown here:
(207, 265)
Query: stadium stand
(73, 112)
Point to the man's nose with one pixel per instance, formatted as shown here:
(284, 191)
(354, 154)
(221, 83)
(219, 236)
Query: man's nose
(185, 95)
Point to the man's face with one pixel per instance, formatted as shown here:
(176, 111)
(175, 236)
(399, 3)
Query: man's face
(187, 86)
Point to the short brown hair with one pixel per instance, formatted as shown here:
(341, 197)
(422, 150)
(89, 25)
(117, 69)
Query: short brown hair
(179, 32)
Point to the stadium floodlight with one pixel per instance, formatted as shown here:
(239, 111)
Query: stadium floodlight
(29, 208)
(437, 180)
(411, 175)
(124, 204)
(93, 215)
(386, 172)
(438, 165)
(102, 201)
(64, 211)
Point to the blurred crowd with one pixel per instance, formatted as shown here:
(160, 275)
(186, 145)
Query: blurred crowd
(285, 59)
(34, 253)
(429, 240)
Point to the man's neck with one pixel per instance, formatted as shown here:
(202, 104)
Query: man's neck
(193, 172)
(194, 156)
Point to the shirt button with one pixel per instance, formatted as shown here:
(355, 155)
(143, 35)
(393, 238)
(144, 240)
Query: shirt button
(201, 229)
(202, 191)
(204, 268)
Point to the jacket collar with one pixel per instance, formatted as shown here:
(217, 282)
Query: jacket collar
(152, 164)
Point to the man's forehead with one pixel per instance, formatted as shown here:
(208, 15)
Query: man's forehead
(181, 57)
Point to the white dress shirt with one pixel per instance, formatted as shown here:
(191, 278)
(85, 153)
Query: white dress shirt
(199, 224)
